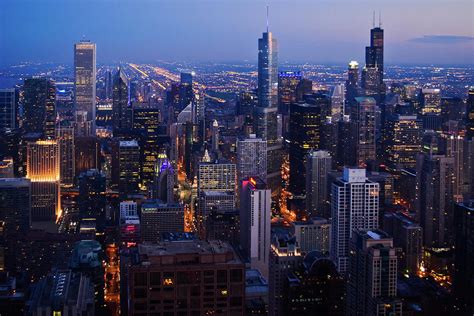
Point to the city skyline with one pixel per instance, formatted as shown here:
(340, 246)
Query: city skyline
(207, 30)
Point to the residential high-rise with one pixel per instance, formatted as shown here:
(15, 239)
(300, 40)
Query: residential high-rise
(8, 109)
(158, 217)
(251, 158)
(312, 235)
(193, 278)
(121, 111)
(372, 277)
(364, 128)
(470, 114)
(85, 81)
(403, 140)
(15, 205)
(318, 166)
(463, 284)
(305, 120)
(255, 220)
(215, 136)
(43, 170)
(39, 107)
(67, 161)
(354, 205)
(129, 167)
(435, 199)
(285, 256)
(352, 85)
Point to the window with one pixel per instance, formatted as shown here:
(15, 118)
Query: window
(236, 275)
(140, 278)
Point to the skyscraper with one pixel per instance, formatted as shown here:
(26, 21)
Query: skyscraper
(363, 120)
(251, 158)
(129, 167)
(15, 205)
(470, 114)
(372, 74)
(352, 85)
(255, 219)
(8, 109)
(65, 138)
(430, 101)
(158, 217)
(318, 166)
(288, 82)
(305, 121)
(337, 103)
(354, 205)
(85, 81)
(44, 173)
(121, 111)
(39, 107)
(372, 284)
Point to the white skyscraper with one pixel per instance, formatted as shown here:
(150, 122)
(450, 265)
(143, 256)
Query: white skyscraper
(255, 220)
(354, 205)
(84, 82)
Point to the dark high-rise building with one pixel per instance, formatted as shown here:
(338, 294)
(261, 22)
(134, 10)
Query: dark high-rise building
(39, 106)
(121, 111)
(8, 109)
(246, 104)
(470, 114)
(158, 218)
(85, 82)
(434, 199)
(363, 120)
(352, 85)
(305, 120)
(463, 284)
(129, 167)
(67, 159)
(183, 277)
(318, 166)
(374, 52)
(15, 204)
(345, 143)
(372, 284)
(288, 82)
(92, 200)
(267, 71)
(315, 289)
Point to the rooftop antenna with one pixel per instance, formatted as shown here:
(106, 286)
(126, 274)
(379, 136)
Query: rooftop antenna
(267, 17)
(373, 20)
(380, 19)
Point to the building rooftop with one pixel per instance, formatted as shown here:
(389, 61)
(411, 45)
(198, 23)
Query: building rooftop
(128, 143)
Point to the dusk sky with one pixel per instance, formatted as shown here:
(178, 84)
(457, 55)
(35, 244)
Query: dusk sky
(317, 31)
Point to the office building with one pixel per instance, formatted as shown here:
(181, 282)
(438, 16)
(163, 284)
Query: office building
(435, 199)
(408, 236)
(364, 126)
(15, 204)
(312, 235)
(314, 289)
(352, 85)
(43, 170)
(92, 199)
(337, 102)
(403, 141)
(39, 113)
(251, 158)
(470, 114)
(256, 293)
(354, 205)
(183, 277)
(129, 167)
(255, 219)
(430, 101)
(121, 110)
(318, 166)
(305, 120)
(158, 217)
(219, 176)
(372, 284)
(8, 109)
(67, 161)
(463, 284)
(288, 83)
(7, 169)
(164, 179)
(62, 292)
(285, 256)
(372, 75)
(85, 82)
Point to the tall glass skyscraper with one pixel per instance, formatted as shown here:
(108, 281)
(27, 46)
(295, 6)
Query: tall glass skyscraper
(85, 80)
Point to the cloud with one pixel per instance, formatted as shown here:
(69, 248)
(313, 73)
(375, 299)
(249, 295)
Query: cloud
(442, 39)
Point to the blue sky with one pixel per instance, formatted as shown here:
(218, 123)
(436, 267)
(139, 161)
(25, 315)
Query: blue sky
(320, 31)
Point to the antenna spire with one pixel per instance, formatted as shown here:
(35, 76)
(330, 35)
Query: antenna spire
(267, 16)
(380, 19)
(373, 20)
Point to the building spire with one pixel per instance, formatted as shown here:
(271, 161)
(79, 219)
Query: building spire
(373, 20)
(267, 17)
(380, 19)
